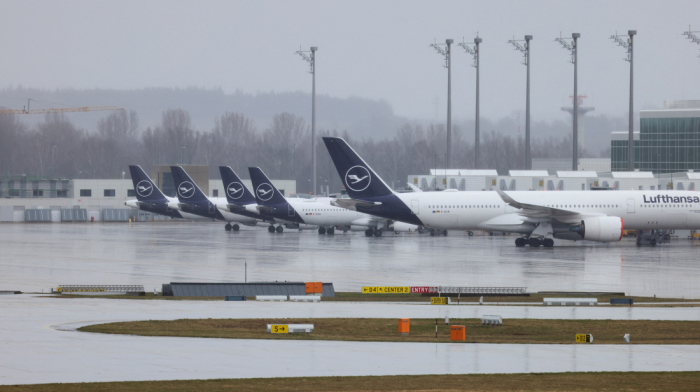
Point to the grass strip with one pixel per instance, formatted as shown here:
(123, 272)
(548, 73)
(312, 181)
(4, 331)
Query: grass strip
(422, 330)
(608, 381)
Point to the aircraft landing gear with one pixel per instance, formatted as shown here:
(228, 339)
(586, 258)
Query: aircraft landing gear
(378, 232)
(548, 243)
(369, 232)
(280, 229)
(534, 242)
(330, 231)
(235, 227)
(520, 242)
(227, 227)
(321, 230)
(271, 229)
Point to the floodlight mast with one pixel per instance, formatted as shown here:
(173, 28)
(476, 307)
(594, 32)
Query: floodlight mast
(526, 61)
(691, 36)
(573, 48)
(312, 64)
(629, 45)
(448, 64)
(474, 51)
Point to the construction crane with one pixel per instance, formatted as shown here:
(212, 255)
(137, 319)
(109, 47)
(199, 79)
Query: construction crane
(58, 110)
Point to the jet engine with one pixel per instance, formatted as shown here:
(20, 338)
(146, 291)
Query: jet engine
(604, 229)
(402, 227)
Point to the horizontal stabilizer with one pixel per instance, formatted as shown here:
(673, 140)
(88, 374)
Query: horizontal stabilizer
(351, 204)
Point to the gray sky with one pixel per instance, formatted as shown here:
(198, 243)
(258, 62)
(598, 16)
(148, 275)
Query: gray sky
(371, 49)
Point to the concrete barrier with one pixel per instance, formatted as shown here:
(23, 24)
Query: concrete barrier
(491, 320)
(305, 298)
(570, 301)
(273, 298)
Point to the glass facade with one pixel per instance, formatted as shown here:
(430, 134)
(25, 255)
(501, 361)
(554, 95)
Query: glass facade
(665, 145)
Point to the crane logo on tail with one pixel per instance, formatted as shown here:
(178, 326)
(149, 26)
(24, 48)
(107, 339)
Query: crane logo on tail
(186, 189)
(264, 191)
(357, 178)
(144, 188)
(234, 190)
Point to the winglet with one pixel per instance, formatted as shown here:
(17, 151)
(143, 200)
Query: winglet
(507, 199)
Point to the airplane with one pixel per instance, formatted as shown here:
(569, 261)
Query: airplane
(191, 199)
(150, 198)
(239, 200)
(318, 211)
(600, 216)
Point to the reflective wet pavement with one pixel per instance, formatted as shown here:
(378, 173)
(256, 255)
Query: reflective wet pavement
(40, 345)
(39, 256)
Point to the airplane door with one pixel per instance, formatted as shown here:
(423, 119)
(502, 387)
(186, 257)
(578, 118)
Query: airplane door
(290, 210)
(630, 206)
(415, 207)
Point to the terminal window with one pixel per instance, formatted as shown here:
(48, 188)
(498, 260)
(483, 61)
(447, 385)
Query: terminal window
(109, 192)
(62, 193)
(215, 193)
(85, 192)
(130, 193)
(37, 193)
(14, 192)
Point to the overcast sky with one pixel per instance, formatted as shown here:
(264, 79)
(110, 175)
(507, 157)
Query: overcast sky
(371, 49)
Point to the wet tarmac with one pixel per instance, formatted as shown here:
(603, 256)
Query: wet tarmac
(40, 345)
(40, 256)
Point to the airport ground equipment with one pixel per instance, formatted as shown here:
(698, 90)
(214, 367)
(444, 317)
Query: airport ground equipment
(571, 301)
(622, 301)
(251, 289)
(291, 328)
(458, 332)
(491, 319)
(271, 298)
(313, 288)
(305, 298)
(653, 237)
(235, 298)
(119, 289)
(404, 326)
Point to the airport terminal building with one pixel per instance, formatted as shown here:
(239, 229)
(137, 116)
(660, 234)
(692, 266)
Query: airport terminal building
(668, 140)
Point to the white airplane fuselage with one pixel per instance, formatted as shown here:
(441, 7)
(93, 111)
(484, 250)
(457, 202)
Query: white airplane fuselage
(487, 211)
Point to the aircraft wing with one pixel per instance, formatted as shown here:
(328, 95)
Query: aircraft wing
(235, 207)
(415, 188)
(535, 212)
(351, 203)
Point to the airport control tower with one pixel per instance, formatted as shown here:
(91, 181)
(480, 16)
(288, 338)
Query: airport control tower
(581, 111)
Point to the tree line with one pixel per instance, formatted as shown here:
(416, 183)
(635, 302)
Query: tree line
(57, 148)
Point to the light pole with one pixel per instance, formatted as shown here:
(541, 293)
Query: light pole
(475, 52)
(526, 61)
(448, 64)
(312, 63)
(691, 36)
(629, 45)
(53, 153)
(573, 48)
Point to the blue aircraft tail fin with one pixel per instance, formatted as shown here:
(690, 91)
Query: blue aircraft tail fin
(265, 193)
(236, 192)
(186, 189)
(144, 187)
(359, 179)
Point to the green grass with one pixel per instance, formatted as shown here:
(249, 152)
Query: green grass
(422, 330)
(607, 381)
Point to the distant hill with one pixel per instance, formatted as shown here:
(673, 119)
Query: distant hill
(362, 118)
